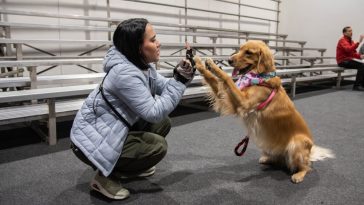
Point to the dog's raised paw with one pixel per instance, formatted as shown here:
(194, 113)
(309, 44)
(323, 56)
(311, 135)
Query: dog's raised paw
(209, 61)
(199, 65)
(197, 59)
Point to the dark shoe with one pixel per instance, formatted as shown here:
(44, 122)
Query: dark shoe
(358, 88)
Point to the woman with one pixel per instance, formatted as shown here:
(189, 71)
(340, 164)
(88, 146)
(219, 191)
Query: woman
(121, 128)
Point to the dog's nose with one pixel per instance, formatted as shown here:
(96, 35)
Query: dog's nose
(230, 61)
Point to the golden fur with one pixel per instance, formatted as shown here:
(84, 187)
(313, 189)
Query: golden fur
(278, 130)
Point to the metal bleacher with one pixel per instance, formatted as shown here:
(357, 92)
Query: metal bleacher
(28, 95)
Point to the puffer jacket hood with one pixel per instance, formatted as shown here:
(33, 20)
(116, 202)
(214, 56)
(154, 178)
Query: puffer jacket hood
(111, 58)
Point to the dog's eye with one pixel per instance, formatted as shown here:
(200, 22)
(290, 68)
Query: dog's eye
(248, 52)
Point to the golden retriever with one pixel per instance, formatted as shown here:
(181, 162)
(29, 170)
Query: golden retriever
(278, 129)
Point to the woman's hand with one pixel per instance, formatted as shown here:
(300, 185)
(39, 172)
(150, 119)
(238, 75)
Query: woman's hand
(184, 72)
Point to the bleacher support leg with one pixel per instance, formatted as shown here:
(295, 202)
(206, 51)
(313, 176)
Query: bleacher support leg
(33, 77)
(19, 56)
(322, 55)
(293, 86)
(214, 49)
(52, 126)
(302, 45)
(338, 82)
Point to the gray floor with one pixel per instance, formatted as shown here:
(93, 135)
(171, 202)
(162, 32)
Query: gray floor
(201, 168)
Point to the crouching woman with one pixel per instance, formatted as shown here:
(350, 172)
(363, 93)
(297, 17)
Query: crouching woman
(121, 127)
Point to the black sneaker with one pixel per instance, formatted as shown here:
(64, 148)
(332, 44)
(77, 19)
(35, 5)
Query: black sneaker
(358, 88)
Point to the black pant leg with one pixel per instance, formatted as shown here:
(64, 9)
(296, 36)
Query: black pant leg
(79, 154)
(359, 80)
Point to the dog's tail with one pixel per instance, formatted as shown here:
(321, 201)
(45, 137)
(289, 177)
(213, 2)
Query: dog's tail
(319, 153)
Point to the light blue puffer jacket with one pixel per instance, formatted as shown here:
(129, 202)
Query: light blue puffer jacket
(98, 132)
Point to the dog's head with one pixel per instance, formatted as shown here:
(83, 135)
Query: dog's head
(253, 56)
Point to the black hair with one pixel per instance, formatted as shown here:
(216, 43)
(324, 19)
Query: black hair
(128, 39)
(346, 28)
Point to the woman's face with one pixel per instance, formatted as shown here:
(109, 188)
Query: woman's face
(151, 46)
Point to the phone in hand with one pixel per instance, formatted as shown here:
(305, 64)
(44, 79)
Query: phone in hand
(189, 54)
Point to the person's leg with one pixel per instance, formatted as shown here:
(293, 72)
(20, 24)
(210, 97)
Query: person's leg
(79, 154)
(141, 151)
(361, 73)
(108, 186)
(359, 80)
(162, 128)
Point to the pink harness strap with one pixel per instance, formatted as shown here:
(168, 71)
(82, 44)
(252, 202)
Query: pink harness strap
(244, 142)
(267, 101)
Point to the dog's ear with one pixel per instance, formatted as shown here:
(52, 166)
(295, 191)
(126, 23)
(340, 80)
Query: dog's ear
(260, 66)
(265, 61)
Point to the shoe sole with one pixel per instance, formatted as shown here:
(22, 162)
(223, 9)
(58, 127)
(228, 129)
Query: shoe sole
(97, 187)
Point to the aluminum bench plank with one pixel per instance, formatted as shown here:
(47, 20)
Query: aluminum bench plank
(46, 93)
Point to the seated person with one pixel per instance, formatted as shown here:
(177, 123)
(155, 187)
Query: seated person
(346, 52)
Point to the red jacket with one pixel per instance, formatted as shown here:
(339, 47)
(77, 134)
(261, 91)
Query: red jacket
(346, 50)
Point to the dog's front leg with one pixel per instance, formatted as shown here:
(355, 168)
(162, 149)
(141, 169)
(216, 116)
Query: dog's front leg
(217, 96)
(235, 95)
(210, 79)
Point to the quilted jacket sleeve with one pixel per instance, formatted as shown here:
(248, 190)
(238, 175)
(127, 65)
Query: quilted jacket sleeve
(129, 86)
(161, 83)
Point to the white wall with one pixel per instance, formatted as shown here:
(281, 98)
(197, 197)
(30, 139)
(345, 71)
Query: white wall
(126, 9)
(320, 22)
(123, 10)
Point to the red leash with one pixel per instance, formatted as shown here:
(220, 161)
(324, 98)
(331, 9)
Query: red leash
(244, 142)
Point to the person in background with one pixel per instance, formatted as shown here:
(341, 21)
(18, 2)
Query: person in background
(120, 129)
(346, 54)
